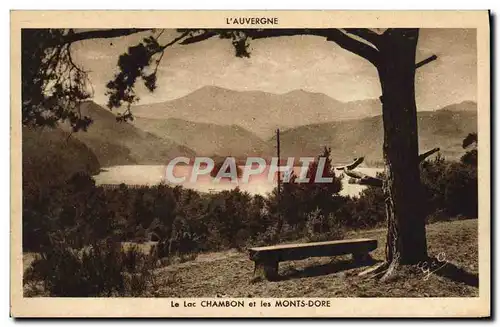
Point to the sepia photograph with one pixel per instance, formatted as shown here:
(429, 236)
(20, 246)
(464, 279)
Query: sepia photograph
(250, 164)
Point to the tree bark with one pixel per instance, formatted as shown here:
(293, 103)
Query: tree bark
(406, 239)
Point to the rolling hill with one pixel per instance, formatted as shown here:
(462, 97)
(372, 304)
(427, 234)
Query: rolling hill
(444, 128)
(208, 139)
(256, 111)
(50, 157)
(117, 143)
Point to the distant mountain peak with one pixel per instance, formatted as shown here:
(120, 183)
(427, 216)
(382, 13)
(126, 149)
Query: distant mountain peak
(466, 105)
(212, 89)
(300, 91)
(220, 89)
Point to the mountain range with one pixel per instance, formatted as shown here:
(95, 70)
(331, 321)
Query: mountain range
(256, 111)
(217, 122)
(364, 137)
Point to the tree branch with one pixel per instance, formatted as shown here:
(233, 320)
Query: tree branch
(425, 61)
(363, 179)
(365, 34)
(357, 47)
(353, 165)
(177, 39)
(424, 155)
(98, 34)
(335, 35)
(72, 63)
(197, 38)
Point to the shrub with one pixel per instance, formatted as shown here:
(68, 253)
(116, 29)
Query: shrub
(365, 211)
(80, 214)
(451, 188)
(323, 228)
(297, 200)
(102, 269)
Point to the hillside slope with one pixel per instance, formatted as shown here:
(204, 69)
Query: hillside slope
(228, 274)
(349, 139)
(117, 143)
(50, 156)
(208, 139)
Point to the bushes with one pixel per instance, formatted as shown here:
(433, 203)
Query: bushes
(323, 228)
(76, 213)
(102, 269)
(234, 217)
(298, 200)
(80, 213)
(451, 188)
(365, 211)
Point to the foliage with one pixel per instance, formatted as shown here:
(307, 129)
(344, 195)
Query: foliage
(470, 157)
(53, 86)
(76, 225)
(450, 190)
(323, 228)
(451, 187)
(101, 269)
(469, 140)
(134, 65)
(297, 200)
(365, 211)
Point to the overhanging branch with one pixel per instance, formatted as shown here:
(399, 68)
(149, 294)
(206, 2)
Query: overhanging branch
(205, 35)
(365, 34)
(99, 34)
(427, 154)
(335, 35)
(357, 47)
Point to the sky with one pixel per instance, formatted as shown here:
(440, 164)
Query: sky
(283, 64)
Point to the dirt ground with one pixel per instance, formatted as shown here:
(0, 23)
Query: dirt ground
(229, 273)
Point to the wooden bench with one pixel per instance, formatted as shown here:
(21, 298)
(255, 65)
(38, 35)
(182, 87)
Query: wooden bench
(267, 258)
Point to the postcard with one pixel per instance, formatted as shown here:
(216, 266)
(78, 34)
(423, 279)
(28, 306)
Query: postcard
(250, 164)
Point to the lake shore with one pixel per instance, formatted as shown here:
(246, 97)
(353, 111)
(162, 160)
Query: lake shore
(150, 175)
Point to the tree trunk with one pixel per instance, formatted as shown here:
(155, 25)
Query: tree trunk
(406, 240)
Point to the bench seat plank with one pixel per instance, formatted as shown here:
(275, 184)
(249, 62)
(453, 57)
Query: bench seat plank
(287, 252)
(267, 258)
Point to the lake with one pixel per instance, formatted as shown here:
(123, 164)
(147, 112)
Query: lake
(258, 184)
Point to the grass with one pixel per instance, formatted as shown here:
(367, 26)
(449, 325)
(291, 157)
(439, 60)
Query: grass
(229, 273)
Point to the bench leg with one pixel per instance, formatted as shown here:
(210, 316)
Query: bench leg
(361, 257)
(266, 270)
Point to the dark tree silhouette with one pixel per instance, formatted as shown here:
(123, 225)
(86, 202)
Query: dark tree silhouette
(53, 85)
(470, 139)
(470, 157)
(393, 53)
